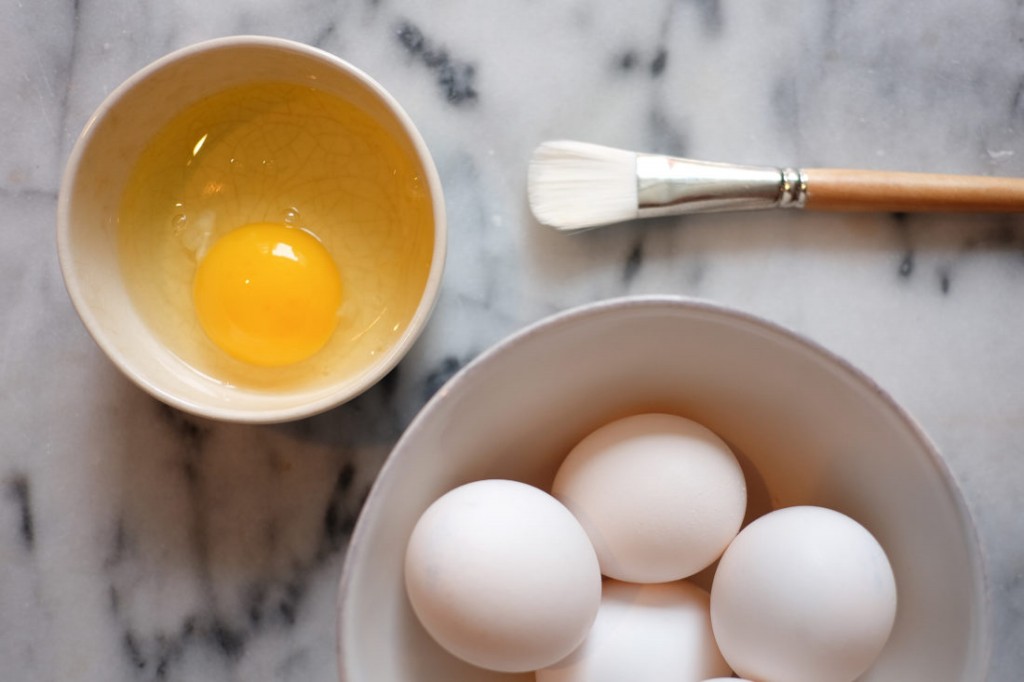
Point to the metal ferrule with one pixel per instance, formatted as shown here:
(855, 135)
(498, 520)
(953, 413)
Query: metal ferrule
(672, 186)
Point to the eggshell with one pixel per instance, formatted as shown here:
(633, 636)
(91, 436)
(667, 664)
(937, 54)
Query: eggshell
(645, 632)
(660, 496)
(803, 594)
(502, 576)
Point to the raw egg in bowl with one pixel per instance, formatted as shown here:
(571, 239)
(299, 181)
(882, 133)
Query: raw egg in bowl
(818, 443)
(252, 229)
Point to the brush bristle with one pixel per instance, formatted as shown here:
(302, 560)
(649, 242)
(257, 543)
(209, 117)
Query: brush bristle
(575, 185)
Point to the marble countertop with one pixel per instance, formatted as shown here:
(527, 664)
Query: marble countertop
(137, 543)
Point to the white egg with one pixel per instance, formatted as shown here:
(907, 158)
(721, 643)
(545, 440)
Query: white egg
(803, 594)
(645, 632)
(502, 576)
(659, 495)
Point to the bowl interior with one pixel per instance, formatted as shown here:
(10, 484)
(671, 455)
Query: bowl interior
(808, 428)
(98, 171)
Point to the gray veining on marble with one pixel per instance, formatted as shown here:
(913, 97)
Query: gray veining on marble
(140, 544)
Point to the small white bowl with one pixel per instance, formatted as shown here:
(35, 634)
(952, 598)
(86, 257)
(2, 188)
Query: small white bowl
(90, 196)
(807, 427)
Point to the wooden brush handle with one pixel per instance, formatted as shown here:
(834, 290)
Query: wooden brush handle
(833, 189)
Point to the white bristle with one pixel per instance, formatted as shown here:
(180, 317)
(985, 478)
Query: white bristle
(574, 185)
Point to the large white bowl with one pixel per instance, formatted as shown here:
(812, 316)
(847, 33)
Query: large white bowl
(808, 427)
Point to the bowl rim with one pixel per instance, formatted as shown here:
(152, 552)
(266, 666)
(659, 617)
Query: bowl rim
(688, 305)
(371, 374)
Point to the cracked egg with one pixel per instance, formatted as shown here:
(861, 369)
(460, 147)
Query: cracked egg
(252, 229)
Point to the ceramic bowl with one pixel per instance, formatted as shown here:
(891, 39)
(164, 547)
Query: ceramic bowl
(91, 192)
(807, 427)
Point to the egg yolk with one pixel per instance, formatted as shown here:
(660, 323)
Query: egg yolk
(268, 294)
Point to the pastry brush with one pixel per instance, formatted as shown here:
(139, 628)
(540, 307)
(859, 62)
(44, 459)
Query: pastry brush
(575, 185)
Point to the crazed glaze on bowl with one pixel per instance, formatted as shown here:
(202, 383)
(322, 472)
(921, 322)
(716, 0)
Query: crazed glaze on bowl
(808, 427)
(90, 197)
